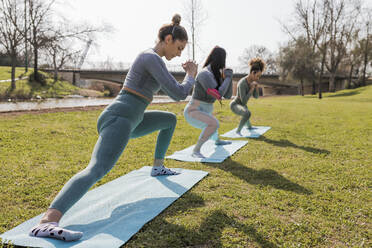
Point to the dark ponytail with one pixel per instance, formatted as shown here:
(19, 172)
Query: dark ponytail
(217, 60)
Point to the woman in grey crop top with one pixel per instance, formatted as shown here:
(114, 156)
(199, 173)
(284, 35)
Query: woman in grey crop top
(247, 87)
(198, 111)
(126, 118)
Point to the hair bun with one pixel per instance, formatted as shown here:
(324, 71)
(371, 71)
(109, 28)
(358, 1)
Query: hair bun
(257, 64)
(176, 20)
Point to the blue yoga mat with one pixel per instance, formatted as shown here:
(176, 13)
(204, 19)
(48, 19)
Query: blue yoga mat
(112, 213)
(255, 132)
(212, 153)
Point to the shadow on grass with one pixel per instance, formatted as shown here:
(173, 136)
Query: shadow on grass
(209, 234)
(265, 177)
(349, 93)
(287, 143)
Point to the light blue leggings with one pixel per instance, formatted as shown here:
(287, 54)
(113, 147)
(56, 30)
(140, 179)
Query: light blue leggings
(125, 118)
(199, 114)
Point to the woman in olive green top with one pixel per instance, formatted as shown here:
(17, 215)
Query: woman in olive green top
(247, 87)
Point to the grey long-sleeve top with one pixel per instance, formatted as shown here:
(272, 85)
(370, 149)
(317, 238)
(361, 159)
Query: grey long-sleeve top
(205, 80)
(243, 95)
(148, 74)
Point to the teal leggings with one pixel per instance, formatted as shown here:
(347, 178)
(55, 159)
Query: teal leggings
(243, 111)
(125, 118)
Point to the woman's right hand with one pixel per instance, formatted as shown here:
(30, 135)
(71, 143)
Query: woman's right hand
(190, 68)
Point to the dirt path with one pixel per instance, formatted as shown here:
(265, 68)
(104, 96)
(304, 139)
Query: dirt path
(87, 108)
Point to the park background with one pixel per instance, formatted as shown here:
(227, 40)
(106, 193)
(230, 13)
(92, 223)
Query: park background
(305, 183)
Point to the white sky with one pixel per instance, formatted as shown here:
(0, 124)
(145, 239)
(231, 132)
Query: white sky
(231, 24)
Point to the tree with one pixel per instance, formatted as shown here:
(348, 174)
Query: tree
(46, 32)
(312, 18)
(298, 60)
(255, 51)
(11, 17)
(329, 25)
(39, 16)
(366, 43)
(339, 31)
(60, 53)
(195, 17)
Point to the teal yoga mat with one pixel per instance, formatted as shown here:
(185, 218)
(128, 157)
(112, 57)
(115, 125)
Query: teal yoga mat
(212, 152)
(255, 132)
(111, 214)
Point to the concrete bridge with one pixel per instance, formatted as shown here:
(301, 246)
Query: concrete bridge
(268, 84)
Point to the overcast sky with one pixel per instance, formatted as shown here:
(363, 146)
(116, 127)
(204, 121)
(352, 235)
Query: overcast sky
(231, 24)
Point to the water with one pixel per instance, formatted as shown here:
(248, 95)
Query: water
(68, 103)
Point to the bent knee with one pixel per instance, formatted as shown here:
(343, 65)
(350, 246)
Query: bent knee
(172, 119)
(213, 124)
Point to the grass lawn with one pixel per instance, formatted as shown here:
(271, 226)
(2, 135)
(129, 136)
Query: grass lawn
(305, 183)
(5, 72)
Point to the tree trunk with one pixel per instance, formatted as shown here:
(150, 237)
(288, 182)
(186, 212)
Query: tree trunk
(302, 87)
(350, 76)
(332, 82)
(13, 83)
(55, 74)
(365, 60)
(25, 36)
(35, 64)
(321, 75)
(313, 91)
(363, 82)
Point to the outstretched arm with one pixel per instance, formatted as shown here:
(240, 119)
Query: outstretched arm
(156, 67)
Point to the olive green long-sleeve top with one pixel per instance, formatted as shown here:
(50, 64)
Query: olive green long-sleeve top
(243, 95)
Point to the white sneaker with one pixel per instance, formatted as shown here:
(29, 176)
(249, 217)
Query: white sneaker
(162, 171)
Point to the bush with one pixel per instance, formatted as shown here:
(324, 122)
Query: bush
(40, 77)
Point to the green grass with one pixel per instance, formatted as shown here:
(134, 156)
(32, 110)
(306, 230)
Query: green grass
(305, 183)
(26, 89)
(5, 72)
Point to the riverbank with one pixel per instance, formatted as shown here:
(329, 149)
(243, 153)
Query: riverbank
(66, 105)
(27, 90)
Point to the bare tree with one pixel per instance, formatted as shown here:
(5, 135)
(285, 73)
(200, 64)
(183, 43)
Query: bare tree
(329, 25)
(352, 63)
(11, 17)
(339, 31)
(45, 32)
(255, 51)
(195, 17)
(39, 16)
(60, 53)
(366, 42)
(313, 19)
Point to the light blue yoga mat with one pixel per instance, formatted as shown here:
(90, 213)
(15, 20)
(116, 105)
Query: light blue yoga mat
(256, 132)
(112, 213)
(212, 153)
